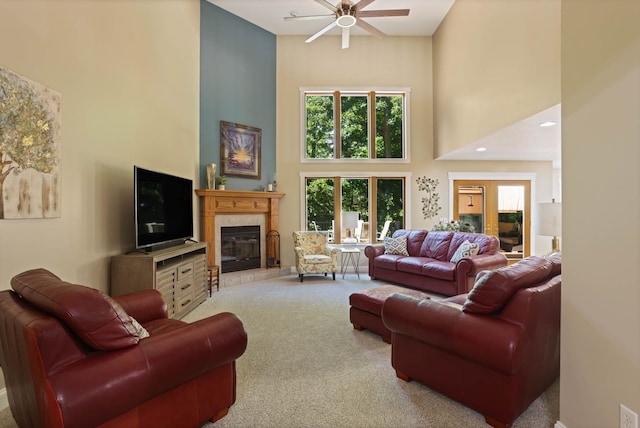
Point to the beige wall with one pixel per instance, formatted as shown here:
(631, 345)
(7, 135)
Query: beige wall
(128, 73)
(600, 361)
(496, 62)
(370, 62)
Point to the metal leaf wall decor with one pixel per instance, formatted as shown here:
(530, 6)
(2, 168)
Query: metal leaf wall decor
(431, 202)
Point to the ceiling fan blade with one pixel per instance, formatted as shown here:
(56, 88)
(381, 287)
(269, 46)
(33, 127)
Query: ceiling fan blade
(379, 13)
(308, 17)
(328, 5)
(362, 4)
(345, 38)
(370, 28)
(321, 32)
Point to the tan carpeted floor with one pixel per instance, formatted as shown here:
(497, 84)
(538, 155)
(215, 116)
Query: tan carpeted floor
(305, 366)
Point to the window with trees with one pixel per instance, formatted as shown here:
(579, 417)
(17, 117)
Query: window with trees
(377, 200)
(355, 125)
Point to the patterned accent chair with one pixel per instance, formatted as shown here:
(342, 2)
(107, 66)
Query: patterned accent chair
(313, 254)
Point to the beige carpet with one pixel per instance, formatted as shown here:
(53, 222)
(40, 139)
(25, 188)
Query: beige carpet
(305, 366)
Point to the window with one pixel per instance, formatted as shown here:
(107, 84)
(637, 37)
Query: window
(329, 198)
(355, 125)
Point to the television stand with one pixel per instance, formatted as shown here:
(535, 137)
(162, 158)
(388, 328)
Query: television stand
(178, 272)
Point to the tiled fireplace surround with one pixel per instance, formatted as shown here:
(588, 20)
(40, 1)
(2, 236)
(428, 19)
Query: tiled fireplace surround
(225, 208)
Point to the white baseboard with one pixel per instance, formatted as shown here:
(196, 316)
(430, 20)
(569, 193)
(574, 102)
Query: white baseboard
(559, 425)
(4, 401)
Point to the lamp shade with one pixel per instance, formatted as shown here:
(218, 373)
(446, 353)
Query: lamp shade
(549, 220)
(350, 219)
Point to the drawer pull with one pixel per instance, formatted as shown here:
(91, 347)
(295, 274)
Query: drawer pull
(186, 303)
(185, 287)
(186, 271)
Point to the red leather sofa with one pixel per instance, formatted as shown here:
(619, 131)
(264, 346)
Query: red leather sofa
(428, 266)
(74, 357)
(494, 350)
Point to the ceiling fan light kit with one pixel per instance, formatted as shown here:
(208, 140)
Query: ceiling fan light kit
(347, 15)
(346, 21)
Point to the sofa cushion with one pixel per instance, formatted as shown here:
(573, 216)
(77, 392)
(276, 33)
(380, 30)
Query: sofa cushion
(493, 290)
(396, 245)
(466, 249)
(413, 264)
(440, 270)
(387, 261)
(436, 245)
(415, 237)
(96, 318)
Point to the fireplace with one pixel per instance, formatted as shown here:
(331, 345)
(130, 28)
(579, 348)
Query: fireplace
(239, 248)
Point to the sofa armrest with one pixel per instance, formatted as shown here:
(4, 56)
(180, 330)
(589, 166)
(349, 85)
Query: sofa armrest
(106, 384)
(487, 340)
(373, 251)
(468, 267)
(144, 306)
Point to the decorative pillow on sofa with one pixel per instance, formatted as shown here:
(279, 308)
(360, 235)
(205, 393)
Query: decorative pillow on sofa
(96, 318)
(140, 330)
(396, 246)
(466, 249)
(490, 292)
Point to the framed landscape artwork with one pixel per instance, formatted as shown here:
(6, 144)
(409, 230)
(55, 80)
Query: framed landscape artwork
(240, 150)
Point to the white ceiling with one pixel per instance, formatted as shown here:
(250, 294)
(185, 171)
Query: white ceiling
(423, 19)
(524, 140)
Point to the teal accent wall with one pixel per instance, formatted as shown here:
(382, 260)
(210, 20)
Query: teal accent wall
(237, 84)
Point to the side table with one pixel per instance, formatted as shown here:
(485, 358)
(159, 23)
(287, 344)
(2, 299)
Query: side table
(214, 278)
(349, 256)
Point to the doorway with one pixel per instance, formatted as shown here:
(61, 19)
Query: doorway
(501, 208)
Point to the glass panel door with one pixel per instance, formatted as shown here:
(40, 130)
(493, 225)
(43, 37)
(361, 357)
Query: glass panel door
(499, 208)
(471, 207)
(510, 218)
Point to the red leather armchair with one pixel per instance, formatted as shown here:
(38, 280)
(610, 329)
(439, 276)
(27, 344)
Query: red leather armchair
(74, 357)
(494, 350)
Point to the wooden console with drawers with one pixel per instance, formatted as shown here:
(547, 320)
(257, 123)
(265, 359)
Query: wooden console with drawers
(179, 273)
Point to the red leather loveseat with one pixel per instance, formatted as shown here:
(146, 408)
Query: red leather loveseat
(74, 357)
(494, 350)
(428, 265)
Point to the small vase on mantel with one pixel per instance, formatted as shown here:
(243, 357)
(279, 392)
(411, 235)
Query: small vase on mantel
(221, 187)
(211, 176)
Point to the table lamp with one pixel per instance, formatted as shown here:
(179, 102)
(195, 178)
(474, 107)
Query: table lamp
(549, 222)
(350, 222)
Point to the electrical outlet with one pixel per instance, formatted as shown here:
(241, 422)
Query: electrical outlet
(628, 418)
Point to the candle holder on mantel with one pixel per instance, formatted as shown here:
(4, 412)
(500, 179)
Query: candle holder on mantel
(211, 175)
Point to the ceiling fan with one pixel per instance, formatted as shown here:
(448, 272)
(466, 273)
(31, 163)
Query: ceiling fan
(347, 15)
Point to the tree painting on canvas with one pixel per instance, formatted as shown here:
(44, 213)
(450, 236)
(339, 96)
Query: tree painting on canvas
(29, 148)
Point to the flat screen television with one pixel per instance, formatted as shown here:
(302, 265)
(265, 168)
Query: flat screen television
(163, 209)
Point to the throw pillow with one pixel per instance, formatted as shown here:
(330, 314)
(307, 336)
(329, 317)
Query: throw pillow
(95, 317)
(140, 330)
(466, 249)
(396, 246)
(492, 291)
